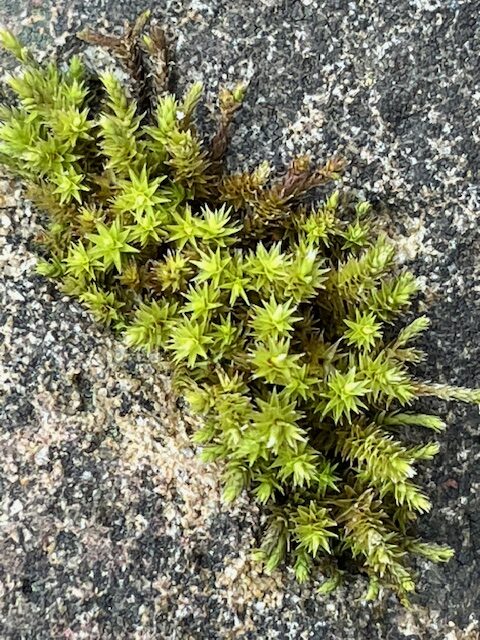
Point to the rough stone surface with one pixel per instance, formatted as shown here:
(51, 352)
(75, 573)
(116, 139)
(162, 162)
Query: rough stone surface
(109, 526)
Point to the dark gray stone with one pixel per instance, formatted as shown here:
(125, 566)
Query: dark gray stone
(394, 86)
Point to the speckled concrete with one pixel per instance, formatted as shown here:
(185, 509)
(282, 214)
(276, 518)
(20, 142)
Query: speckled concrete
(109, 527)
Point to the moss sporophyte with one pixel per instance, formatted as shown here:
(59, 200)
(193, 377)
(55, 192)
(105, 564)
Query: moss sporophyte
(283, 321)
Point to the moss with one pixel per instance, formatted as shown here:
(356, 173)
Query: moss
(283, 320)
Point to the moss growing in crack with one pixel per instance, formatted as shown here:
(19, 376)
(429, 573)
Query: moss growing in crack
(283, 321)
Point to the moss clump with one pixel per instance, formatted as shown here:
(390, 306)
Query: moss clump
(280, 319)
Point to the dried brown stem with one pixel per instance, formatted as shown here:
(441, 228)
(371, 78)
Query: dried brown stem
(128, 50)
(230, 102)
(158, 51)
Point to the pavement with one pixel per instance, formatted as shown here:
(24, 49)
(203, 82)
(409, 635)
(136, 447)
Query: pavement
(110, 527)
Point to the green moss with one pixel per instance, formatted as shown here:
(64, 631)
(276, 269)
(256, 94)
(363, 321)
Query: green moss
(277, 316)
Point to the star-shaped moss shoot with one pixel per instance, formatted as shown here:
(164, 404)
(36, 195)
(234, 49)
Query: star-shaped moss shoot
(110, 244)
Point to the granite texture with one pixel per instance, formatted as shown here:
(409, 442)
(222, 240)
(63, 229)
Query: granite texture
(109, 526)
